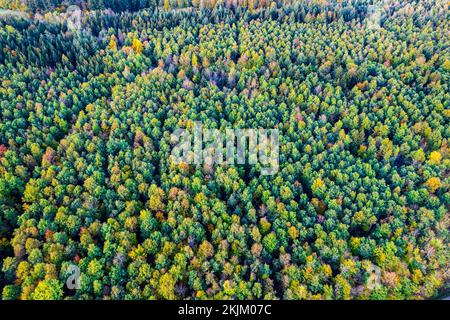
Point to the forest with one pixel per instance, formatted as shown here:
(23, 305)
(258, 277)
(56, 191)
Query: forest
(359, 208)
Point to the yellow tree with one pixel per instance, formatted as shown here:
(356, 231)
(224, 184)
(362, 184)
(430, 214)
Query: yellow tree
(112, 43)
(434, 184)
(194, 61)
(251, 6)
(137, 46)
(435, 157)
(166, 5)
(166, 287)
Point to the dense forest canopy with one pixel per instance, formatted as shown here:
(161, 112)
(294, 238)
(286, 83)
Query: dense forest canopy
(359, 208)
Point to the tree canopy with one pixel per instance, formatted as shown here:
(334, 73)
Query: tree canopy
(363, 114)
